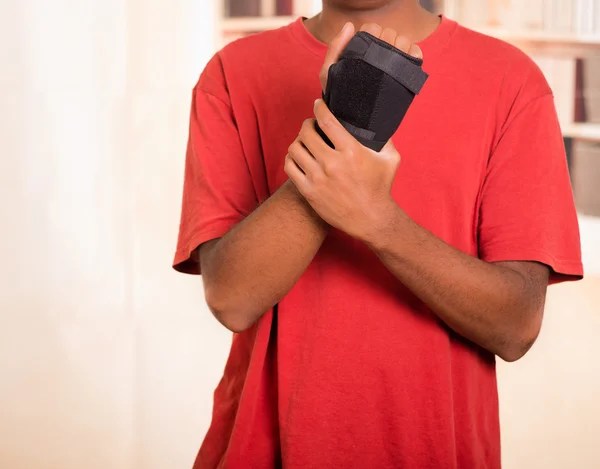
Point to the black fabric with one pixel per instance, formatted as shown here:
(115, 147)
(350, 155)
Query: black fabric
(371, 87)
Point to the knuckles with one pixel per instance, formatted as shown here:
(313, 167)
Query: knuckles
(293, 148)
(286, 164)
(330, 167)
(395, 158)
(326, 123)
(307, 126)
(317, 178)
(350, 152)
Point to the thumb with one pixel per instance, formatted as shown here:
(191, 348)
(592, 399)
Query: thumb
(335, 50)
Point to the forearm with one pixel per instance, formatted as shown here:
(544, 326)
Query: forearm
(489, 304)
(252, 267)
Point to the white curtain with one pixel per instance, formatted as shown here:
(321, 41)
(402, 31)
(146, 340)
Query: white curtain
(108, 359)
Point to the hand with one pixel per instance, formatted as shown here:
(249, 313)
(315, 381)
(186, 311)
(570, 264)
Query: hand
(334, 51)
(336, 47)
(349, 185)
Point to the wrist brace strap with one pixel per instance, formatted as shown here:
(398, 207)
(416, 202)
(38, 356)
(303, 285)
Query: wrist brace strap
(371, 87)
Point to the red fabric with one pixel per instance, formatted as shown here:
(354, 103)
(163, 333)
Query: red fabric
(353, 370)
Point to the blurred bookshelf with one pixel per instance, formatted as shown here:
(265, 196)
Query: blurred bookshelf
(244, 26)
(563, 37)
(243, 17)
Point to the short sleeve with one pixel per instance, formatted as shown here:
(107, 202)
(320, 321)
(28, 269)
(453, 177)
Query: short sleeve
(527, 212)
(218, 191)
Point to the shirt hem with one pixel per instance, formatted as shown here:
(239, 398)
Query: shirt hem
(183, 262)
(562, 269)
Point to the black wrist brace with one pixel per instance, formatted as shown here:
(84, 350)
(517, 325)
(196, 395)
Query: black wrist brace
(370, 89)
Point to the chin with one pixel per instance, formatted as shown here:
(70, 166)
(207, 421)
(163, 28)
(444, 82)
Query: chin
(358, 5)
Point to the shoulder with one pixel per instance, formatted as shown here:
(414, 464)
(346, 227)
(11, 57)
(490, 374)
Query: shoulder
(256, 44)
(519, 73)
(258, 51)
(245, 60)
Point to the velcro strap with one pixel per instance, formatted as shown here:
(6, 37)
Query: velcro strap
(372, 144)
(357, 131)
(363, 136)
(402, 67)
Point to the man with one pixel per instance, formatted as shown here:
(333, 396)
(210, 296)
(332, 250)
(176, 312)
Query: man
(368, 298)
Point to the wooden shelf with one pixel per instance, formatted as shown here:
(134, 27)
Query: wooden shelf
(531, 38)
(582, 131)
(542, 38)
(255, 24)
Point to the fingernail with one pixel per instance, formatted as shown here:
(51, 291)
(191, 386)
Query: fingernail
(347, 26)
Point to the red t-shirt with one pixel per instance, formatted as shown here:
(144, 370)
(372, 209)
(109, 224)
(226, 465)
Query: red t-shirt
(353, 370)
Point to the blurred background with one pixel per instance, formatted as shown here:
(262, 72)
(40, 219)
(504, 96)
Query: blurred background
(108, 358)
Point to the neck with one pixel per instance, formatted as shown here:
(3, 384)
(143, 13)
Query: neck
(406, 17)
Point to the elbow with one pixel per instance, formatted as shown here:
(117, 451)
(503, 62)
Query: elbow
(227, 311)
(518, 346)
(513, 354)
(522, 336)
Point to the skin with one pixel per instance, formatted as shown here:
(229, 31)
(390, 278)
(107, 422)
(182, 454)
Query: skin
(498, 306)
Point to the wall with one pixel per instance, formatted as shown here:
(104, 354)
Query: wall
(180, 349)
(66, 350)
(108, 359)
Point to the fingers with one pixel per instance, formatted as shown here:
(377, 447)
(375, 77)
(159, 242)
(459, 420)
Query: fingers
(341, 40)
(388, 35)
(372, 28)
(406, 46)
(294, 173)
(391, 37)
(313, 141)
(415, 51)
(402, 43)
(335, 49)
(339, 136)
(303, 159)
